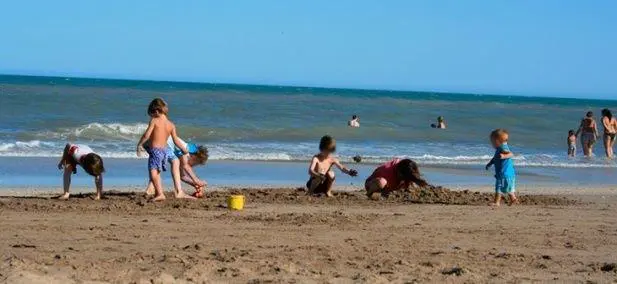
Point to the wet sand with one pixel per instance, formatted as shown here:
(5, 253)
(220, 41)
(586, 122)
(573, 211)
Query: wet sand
(283, 235)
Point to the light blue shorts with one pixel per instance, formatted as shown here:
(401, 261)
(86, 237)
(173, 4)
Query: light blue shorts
(505, 185)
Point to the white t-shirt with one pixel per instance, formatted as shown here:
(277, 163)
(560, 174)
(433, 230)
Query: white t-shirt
(77, 151)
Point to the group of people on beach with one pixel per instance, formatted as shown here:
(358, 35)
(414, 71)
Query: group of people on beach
(588, 131)
(163, 145)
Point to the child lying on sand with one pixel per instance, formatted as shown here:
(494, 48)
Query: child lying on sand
(159, 130)
(182, 168)
(320, 171)
(75, 154)
(394, 175)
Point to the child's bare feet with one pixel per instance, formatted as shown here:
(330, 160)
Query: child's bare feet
(159, 198)
(64, 196)
(494, 204)
(514, 201)
(329, 194)
(97, 197)
(150, 191)
(182, 195)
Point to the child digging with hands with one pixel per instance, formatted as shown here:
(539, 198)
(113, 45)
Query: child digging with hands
(159, 130)
(505, 176)
(394, 175)
(320, 170)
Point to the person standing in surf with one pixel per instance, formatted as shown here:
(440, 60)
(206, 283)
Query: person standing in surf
(610, 130)
(354, 122)
(588, 130)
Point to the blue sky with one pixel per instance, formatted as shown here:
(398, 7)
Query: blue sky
(563, 48)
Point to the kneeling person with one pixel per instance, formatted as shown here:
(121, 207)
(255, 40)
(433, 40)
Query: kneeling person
(320, 171)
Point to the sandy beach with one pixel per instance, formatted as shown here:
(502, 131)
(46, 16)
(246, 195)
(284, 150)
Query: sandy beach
(283, 235)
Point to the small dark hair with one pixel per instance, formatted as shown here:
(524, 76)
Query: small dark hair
(201, 155)
(93, 164)
(589, 114)
(408, 170)
(570, 132)
(354, 116)
(606, 112)
(157, 107)
(327, 143)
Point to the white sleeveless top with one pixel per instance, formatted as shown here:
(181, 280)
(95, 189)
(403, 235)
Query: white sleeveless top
(77, 151)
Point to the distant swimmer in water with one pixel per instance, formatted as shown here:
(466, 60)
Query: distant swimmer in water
(441, 123)
(589, 133)
(354, 122)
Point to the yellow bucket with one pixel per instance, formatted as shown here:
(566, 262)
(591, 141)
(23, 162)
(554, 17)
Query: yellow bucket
(235, 202)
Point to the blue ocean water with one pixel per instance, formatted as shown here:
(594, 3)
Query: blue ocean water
(269, 123)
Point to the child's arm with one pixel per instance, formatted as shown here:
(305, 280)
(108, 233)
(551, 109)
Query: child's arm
(595, 129)
(189, 174)
(580, 128)
(177, 141)
(145, 137)
(490, 164)
(506, 155)
(65, 156)
(350, 172)
(312, 167)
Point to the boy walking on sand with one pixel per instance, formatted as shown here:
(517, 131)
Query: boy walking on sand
(159, 130)
(504, 167)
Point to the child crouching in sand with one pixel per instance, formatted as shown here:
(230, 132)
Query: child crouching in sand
(76, 154)
(320, 171)
(182, 168)
(504, 167)
(394, 175)
(159, 130)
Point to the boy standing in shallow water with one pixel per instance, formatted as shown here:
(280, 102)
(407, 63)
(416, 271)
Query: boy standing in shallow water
(75, 154)
(504, 167)
(158, 131)
(320, 171)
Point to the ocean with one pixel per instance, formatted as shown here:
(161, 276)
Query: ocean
(271, 124)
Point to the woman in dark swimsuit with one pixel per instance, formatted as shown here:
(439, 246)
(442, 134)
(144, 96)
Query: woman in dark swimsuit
(610, 129)
(589, 133)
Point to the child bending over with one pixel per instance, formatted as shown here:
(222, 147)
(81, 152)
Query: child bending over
(76, 154)
(159, 130)
(182, 168)
(505, 175)
(394, 175)
(320, 171)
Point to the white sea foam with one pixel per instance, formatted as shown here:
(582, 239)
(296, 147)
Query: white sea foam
(124, 149)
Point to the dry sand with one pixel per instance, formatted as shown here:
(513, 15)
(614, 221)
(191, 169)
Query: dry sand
(285, 236)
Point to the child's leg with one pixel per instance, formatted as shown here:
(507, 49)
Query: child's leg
(177, 178)
(375, 185)
(328, 183)
(68, 171)
(513, 199)
(500, 185)
(155, 178)
(98, 182)
(497, 200)
(150, 188)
